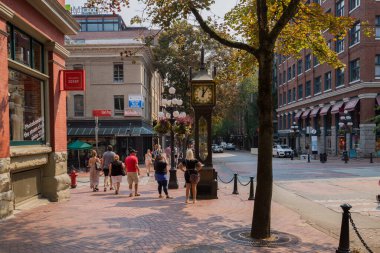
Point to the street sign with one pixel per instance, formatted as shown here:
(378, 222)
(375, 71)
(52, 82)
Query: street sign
(101, 113)
(135, 101)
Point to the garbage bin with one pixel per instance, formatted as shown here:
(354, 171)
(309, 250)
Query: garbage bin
(322, 157)
(345, 156)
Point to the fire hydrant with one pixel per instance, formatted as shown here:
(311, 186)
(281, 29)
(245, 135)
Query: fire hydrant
(73, 176)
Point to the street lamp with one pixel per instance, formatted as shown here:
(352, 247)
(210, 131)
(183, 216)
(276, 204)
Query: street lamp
(129, 132)
(345, 123)
(295, 132)
(170, 106)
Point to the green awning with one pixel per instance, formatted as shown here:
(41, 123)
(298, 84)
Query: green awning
(78, 145)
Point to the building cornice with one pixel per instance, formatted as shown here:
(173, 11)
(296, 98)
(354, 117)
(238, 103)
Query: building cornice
(367, 95)
(58, 49)
(6, 12)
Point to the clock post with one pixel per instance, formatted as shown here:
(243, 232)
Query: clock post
(203, 100)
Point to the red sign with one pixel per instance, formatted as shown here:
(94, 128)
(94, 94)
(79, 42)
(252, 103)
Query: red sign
(74, 79)
(101, 113)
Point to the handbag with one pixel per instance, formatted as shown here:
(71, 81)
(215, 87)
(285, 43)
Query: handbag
(98, 166)
(194, 178)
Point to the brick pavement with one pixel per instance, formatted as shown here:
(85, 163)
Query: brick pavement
(104, 222)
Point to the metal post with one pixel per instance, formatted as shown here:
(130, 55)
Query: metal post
(173, 182)
(96, 132)
(235, 184)
(308, 157)
(251, 190)
(344, 240)
(370, 158)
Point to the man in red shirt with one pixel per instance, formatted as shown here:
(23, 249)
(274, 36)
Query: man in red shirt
(133, 171)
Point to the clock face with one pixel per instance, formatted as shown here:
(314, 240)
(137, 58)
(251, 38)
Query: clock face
(203, 94)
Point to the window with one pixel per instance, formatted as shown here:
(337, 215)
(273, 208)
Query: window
(315, 61)
(308, 89)
(300, 91)
(355, 34)
(284, 77)
(299, 67)
(22, 47)
(294, 71)
(118, 73)
(377, 66)
(77, 66)
(289, 73)
(339, 47)
(294, 94)
(354, 70)
(280, 99)
(339, 6)
(289, 96)
(280, 79)
(317, 85)
(339, 77)
(354, 4)
(284, 98)
(26, 108)
(377, 22)
(118, 105)
(307, 62)
(78, 105)
(328, 80)
(329, 44)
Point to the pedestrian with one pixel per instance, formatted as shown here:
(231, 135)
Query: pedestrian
(94, 172)
(133, 171)
(148, 161)
(108, 157)
(191, 167)
(116, 171)
(160, 168)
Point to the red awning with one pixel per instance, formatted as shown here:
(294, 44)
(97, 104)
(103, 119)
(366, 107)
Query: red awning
(298, 115)
(325, 109)
(350, 105)
(314, 112)
(306, 113)
(378, 100)
(335, 109)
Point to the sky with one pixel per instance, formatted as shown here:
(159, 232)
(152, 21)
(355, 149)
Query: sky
(219, 8)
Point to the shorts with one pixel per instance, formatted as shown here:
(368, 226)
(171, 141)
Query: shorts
(117, 179)
(132, 177)
(106, 172)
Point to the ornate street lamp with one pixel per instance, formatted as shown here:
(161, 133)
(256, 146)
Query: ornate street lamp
(345, 124)
(295, 132)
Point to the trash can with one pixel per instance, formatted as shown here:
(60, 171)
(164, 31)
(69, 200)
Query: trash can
(345, 156)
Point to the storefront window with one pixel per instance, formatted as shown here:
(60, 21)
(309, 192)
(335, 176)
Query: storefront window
(9, 41)
(37, 55)
(22, 47)
(26, 108)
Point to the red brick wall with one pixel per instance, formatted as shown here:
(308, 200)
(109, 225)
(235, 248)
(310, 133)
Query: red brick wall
(4, 109)
(57, 102)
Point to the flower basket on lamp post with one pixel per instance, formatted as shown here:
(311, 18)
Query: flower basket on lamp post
(163, 126)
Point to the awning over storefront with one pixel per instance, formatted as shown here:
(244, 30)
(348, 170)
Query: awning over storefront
(314, 112)
(306, 113)
(350, 105)
(325, 110)
(115, 131)
(335, 109)
(378, 100)
(298, 115)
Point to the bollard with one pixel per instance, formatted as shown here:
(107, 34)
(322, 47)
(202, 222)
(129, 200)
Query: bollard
(291, 156)
(370, 158)
(344, 240)
(308, 158)
(345, 156)
(235, 184)
(251, 190)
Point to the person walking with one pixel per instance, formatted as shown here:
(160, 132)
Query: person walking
(191, 167)
(148, 161)
(133, 171)
(160, 168)
(94, 173)
(116, 171)
(108, 157)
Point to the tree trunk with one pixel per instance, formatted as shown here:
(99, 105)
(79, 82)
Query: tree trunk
(262, 206)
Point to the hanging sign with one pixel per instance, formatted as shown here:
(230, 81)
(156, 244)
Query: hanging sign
(135, 101)
(74, 80)
(101, 113)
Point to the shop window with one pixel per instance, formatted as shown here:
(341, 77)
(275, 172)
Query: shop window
(22, 47)
(37, 56)
(119, 105)
(118, 73)
(78, 105)
(26, 108)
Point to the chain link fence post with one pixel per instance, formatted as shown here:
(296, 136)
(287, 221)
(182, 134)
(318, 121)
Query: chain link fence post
(235, 184)
(251, 190)
(344, 240)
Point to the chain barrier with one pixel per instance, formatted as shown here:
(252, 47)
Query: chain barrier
(242, 183)
(359, 236)
(225, 182)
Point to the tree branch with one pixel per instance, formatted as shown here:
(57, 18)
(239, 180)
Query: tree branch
(215, 36)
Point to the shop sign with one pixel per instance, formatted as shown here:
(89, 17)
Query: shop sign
(74, 80)
(132, 113)
(135, 101)
(101, 113)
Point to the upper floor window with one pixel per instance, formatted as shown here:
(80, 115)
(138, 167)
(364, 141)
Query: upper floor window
(377, 23)
(299, 67)
(308, 89)
(339, 6)
(339, 77)
(315, 60)
(289, 96)
(317, 85)
(300, 91)
(377, 66)
(284, 98)
(284, 77)
(339, 45)
(294, 71)
(118, 105)
(78, 66)
(354, 4)
(280, 99)
(78, 105)
(280, 78)
(294, 94)
(355, 34)
(354, 70)
(118, 72)
(328, 80)
(307, 62)
(289, 73)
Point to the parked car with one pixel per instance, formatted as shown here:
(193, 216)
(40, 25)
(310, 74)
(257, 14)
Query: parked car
(217, 149)
(223, 144)
(230, 146)
(282, 151)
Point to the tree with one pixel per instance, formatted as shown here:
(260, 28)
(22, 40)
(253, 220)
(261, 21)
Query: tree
(261, 29)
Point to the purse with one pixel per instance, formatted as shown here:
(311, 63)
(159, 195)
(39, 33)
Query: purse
(98, 166)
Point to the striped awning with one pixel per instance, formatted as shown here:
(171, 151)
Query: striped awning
(109, 131)
(298, 115)
(350, 105)
(314, 112)
(325, 110)
(306, 113)
(335, 109)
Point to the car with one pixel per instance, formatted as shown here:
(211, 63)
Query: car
(282, 151)
(217, 149)
(223, 144)
(230, 146)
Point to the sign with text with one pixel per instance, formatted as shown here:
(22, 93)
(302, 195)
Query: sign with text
(74, 79)
(135, 101)
(132, 113)
(101, 113)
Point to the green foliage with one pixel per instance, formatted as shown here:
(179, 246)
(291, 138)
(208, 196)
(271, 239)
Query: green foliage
(163, 126)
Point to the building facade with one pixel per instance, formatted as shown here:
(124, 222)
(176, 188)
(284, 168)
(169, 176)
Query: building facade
(120, 78)
(313, 97)
(33, 141)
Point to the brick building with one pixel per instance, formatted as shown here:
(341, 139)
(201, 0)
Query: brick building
(33, 109)
(313, 96)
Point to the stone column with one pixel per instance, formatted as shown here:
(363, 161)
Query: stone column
(367, 113)
(6, 193)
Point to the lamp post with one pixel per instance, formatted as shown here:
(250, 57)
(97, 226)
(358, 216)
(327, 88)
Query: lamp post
(295, 132)
(170, 106)
(345, 123)
(129, 132)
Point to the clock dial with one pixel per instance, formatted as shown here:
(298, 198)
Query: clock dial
(203, 94)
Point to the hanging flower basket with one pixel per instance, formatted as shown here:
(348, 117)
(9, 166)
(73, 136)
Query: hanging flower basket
(182, 126)
(162, 127)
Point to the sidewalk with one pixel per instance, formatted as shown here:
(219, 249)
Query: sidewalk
(104, 222)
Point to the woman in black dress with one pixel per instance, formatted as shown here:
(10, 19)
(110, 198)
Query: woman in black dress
(191, 167)
(116, 171)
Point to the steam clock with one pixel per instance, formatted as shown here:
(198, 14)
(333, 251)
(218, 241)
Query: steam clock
(203, 98)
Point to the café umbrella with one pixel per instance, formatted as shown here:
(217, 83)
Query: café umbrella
(79, 145)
